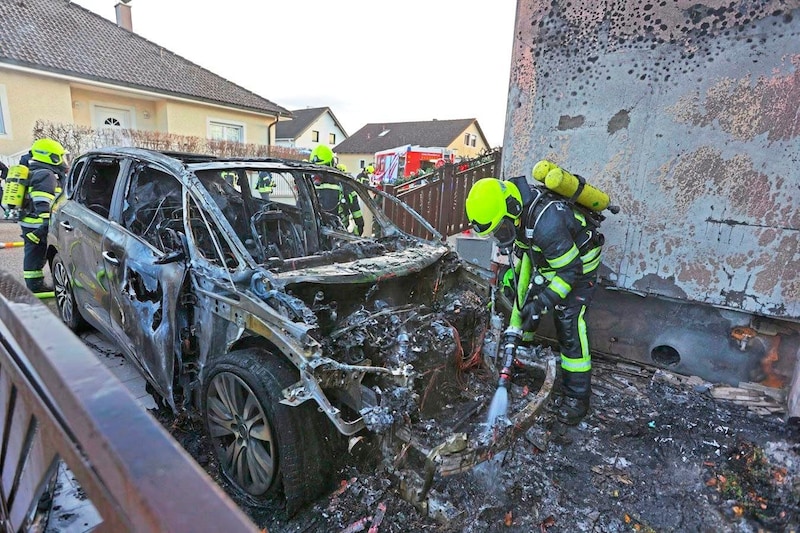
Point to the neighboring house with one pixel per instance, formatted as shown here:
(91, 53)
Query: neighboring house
(309, 128)
(62, 63)
(463, 136)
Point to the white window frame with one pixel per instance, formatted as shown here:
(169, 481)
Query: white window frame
(241, 126)
(6, 114)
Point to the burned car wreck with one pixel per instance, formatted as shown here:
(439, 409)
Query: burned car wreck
(237, 291)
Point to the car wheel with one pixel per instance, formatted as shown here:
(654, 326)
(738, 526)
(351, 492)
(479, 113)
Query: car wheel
(261, 445)
(65, 299)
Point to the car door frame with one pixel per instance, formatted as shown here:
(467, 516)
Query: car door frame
(79, 242)
(145, 292)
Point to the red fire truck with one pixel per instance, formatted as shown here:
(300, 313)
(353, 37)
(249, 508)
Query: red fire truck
(407, 160)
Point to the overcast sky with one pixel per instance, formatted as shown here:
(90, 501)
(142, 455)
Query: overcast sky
(368, 60)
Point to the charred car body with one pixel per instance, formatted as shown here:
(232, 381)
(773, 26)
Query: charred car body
(279, 324)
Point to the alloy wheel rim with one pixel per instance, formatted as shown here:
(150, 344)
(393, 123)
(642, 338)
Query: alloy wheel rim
(63, 292)
(242, 435)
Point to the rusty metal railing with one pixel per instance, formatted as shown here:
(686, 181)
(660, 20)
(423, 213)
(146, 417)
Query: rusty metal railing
(60, 403)
(440, 196)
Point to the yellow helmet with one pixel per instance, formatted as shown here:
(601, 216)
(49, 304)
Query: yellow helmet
(370, 169)
(341, 167)
(489, 201)
(322, 155)
(48, 151)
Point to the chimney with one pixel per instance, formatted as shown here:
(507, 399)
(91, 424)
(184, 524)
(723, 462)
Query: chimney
(124, 15)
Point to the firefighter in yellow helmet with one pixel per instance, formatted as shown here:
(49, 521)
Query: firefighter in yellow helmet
(365, 176)
(554, 251)
(336, 197)
(48, 169)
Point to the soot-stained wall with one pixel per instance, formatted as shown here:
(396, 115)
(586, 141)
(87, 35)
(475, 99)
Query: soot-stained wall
(687, 114)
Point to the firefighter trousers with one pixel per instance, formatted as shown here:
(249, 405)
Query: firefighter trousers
(33, 263)
(570, 324)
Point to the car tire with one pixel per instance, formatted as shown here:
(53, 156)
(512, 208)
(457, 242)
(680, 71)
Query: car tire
(65, 298)
(262, 446)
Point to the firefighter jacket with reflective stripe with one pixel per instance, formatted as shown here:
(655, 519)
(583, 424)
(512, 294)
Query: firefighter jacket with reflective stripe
(563, 244)
(341, 201)
(42, 186)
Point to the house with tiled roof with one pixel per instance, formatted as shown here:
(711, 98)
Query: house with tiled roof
(62, 63)
(462, 136)
(309, 128)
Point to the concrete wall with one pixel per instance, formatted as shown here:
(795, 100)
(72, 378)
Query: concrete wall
(686, 114)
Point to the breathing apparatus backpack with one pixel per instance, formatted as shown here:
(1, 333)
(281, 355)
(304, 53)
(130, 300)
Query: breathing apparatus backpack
(572, 187)
(14, 188)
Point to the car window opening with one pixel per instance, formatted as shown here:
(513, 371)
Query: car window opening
(97, 187)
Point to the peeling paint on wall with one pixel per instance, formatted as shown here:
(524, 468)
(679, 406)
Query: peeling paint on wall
(686, 113)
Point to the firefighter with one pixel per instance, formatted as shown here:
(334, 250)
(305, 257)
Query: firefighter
(554, 251)
(265, 184)
(47, 171)
(365, 176)
(336, 197)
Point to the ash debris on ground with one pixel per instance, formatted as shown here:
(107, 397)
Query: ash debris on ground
(657, 453)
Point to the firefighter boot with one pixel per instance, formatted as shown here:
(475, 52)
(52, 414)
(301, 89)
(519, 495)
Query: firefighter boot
(572, 410)
(37, 285)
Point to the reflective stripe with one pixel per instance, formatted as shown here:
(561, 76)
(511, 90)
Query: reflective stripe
(579, 217)
(591, 260)
(559, 286)
(357, 214)
(565, 259)
(32, 274)
(32, 222)
(41, 194)
(329, 186)
(584, 364)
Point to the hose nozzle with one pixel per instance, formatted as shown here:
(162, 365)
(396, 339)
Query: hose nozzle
(505, 377)
(512, 338)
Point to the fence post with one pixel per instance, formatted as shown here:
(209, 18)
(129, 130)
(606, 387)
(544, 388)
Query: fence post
(446, 198)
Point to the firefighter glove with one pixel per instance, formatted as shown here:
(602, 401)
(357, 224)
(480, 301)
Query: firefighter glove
(533, 310)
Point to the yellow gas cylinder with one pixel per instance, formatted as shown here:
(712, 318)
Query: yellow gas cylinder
(14, 187)
(562, 182)
(541, 169)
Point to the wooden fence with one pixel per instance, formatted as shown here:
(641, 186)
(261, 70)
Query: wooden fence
(439, 197)
(60, 403)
